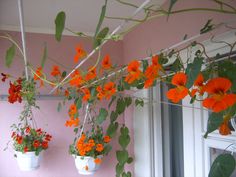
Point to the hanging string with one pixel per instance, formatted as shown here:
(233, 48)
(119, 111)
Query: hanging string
(96, 49)
(85, 118)
(20, 7)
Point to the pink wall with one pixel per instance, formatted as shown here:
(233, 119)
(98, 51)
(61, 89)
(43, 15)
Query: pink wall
(158, 34)
(56, 161)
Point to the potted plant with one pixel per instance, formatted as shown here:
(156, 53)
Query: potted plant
(27, 140)
(88, 151)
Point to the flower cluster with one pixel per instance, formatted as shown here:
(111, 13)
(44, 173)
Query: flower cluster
(15, 91)
(94, 145)
(219, 98)
(74, 120)
(28, 139)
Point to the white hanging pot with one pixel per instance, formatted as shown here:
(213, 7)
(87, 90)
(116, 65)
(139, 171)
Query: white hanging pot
(86, 165)
(28, 161)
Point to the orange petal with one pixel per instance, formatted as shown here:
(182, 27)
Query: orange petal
(179, 79)
(218, 84)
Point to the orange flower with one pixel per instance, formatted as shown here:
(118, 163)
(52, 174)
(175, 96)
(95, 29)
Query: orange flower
(156, 63)
(80, 54)
(218, 100)
(36, 143)
(109, 89)
(100, 93)
(224, 128)
(98, 161)
(91, 74)
(91, 143)
(87, 94)
(178, 93)
(106, 139)
(99, 147)
(67, 93)
(72, 122)
(38, 74)
(134, 72)
(148, 83)
(55, 71)
(199, 83)
(86, 168)
(106, 62)
(73, 109)
(76, 79)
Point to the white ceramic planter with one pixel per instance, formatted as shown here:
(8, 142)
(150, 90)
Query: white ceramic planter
(28, 161)
(82, 162)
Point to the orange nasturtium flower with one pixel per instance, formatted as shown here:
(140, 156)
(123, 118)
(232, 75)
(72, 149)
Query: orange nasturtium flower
(91, 74)
(38, 74)
(180, 91)
(109, 89)
(72, 122)
(76, 79)
(98, 161)
(218, 99)
(106, 139)
(100, 93)
(87, 94)
(73, 109)
(199, 83)
(106, 62)
(134, 72)
(224, 128)
(66, 93)
(80, 53)
(56, 71)
(151, 72)
(99, 147)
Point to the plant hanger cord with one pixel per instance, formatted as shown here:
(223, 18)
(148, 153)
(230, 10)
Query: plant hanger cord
(94, 50)
(85, 118)
(20, 7)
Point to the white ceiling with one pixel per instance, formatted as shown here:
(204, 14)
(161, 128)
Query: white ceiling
(81, 15)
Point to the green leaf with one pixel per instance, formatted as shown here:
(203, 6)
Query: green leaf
(112, 128)
(100, 37)
(45, 55)
(76, 130)
(120, 106)
(139, 102)
(214, 121)
(10, 55)
(162, 59)
(223, 166)
(172, 3)
(112, 100)
(192, 70)
(63, 74)
(128, 101)
(124, 131)
(59, 107)
(124, 141)
(101, 18)
(130, 160)
(119, 169)
(113, 116)
(145, 65)
(228, 69)
(122, 156)
(207, 27)
(60, 25)
(176, 66)
(78, 102)
(102, 116)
